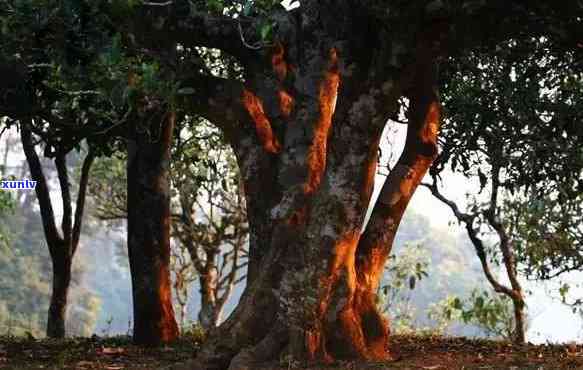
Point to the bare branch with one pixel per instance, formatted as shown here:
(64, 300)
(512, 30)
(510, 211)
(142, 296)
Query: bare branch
(157, 23)
(468, 220)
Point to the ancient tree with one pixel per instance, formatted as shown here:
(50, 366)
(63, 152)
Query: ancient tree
(319, 82)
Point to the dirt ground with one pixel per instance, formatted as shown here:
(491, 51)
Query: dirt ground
(429, 353)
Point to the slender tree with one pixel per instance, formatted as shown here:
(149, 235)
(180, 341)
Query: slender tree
(208, 216)
(62, 245)
(504, 111)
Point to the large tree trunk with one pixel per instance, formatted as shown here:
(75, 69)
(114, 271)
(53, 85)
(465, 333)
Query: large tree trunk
(314, 290)
(305, 127)
(149, 232)
(60, 290)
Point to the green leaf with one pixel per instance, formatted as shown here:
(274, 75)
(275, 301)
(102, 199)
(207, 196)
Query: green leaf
(480, 302)
(265, 31)
(215, 6)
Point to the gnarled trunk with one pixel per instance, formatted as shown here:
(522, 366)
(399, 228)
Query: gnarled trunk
(305, 127)
(149, 232)
(315, 290)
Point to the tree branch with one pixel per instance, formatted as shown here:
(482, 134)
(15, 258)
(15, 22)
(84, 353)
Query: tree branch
(177, 21)
(41, 188)
(219, 100)
(79, 208)
(505, 242)
(478, 244)
(67, 219)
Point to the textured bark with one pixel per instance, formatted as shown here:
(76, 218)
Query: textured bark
(60, 290)
(305, 127)
(149, 232)
(210, 312)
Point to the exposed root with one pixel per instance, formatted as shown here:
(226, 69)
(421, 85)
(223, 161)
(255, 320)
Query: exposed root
(267, 349)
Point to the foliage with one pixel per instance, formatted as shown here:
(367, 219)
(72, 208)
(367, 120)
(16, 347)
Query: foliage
(403, 274)
(506, 110)
(447, 267)
(492, 314)
(209, 224)
(521, 136)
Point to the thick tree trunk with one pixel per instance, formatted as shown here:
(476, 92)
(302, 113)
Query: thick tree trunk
(306, 134)
(314, 296)
(60, 289)
(149, 233)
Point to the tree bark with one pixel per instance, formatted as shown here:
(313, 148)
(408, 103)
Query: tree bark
(314, 293)
(149, 231)
(60, 290)
(210, 312)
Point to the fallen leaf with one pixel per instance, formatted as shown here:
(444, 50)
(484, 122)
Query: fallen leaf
(111, 350)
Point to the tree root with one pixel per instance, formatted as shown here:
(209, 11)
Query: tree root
(267, 349)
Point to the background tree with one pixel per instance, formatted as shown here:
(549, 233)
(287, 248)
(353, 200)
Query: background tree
(66, 58)
(512, 127)
(211, 220)
(25, 263)
(208, 214)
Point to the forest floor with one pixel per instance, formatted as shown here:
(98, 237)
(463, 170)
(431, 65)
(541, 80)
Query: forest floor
(414, 352)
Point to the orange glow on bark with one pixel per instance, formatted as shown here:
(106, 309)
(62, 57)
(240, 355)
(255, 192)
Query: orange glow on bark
(169, 328)
(286, 103)
(342, 259)
(298, 217)
(327, 101)
(262, 125)
(278, 62)
(431, 127)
